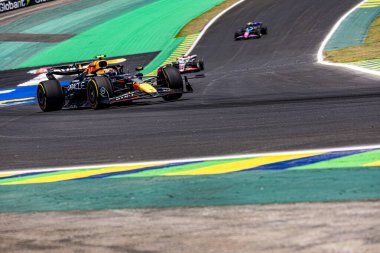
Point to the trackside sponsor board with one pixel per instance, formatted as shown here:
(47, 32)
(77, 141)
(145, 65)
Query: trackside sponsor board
(10, 5)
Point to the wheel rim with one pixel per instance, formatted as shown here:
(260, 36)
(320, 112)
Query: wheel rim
(92, 94)
(41, 97)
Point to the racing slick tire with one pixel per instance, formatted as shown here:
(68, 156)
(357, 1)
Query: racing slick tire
(175, 64)
(50, 96)
(201, 64)
(173, 80)
(264, 30)
(238, 33)
(258, 33)
(97, 88)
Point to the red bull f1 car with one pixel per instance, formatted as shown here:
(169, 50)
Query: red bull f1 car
(189, 63)
(102, 83)
(252, 30)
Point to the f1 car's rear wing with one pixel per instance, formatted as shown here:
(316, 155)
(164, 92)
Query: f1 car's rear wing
(64, 70)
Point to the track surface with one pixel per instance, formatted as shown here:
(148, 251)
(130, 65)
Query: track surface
(259, 95)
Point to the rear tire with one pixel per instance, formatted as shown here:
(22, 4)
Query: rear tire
(50, 96)
(173, 80)
(98, 87)
(264, 30)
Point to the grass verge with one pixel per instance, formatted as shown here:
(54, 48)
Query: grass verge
(368, 51)
(197, 24)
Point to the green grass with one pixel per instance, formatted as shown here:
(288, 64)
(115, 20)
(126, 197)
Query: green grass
(368, 51)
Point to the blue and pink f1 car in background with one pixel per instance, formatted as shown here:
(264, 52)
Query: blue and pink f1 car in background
(252, 30)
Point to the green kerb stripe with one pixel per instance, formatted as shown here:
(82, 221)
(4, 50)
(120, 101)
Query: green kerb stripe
(180, 168)
(354, 161)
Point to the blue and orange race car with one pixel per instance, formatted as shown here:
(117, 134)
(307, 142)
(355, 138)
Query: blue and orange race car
(102, 83)
(252, 30)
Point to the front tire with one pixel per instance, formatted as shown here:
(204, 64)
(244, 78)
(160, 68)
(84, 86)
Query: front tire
(50, 96)
(201, 64)
(172, 80)
(97, 88)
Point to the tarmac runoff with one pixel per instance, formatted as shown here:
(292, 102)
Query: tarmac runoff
(302, 176)
(359, 19)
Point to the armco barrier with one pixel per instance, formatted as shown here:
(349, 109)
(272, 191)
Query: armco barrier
(10, 5)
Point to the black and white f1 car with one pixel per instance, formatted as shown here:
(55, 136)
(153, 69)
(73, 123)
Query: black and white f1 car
(252, 30)
(101, 84)
(189, 63)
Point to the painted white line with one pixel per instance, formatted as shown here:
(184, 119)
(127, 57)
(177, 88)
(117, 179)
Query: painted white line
(6, 91)
(320, 58)
(192, 159)
(33, 82)
(210, 24)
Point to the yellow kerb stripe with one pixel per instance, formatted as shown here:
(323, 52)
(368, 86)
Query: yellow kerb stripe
(80, 174)
(181, 49)
(240, 165)
(370, 4)
(16, 100)
(377, 163)
(7, 175)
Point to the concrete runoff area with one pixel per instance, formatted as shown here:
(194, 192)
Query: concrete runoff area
(35, 37)
(71, 16)
(280, 228)
(9, 17)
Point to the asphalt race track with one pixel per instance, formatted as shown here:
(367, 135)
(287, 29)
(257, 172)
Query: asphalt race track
(259, 95)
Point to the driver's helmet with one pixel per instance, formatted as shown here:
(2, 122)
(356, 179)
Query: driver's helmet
(110, 71)
(106, 71)
(250, 24)
(182, 59)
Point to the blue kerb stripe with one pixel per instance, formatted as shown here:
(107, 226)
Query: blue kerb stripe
(110, 174)
(307, 160)
(23, 92)
(27, 174)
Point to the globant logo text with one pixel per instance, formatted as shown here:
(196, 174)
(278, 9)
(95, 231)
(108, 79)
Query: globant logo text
(9, 5)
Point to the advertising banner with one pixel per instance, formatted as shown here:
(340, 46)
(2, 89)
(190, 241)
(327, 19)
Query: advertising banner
(10, 5)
